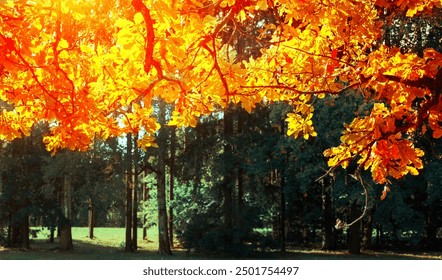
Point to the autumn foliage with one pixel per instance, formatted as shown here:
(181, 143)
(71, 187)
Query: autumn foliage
(92, 68)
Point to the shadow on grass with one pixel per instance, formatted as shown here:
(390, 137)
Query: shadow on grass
(83, 250)
(97, 250)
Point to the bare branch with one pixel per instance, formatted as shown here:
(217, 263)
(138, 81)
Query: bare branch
(340, 224)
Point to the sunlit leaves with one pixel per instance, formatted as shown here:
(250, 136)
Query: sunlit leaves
(93, 69)
(138, 118)
(435, 120)
(378, 144)
(52, 58)
(300, 122)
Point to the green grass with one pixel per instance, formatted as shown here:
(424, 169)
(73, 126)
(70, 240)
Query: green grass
(109, 243)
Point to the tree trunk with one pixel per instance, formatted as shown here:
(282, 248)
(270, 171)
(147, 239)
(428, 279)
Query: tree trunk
(282, 201)
(228, 181)
(65, 226)
(197, 163)
(379, 236)
(431, 229)
(135, 198)
(91, 220)
(145, 198)
(171, 181)
(282, 209)
(368, 230)
(163, 233)
(327, 214)
(25, 232)
(20, 233)
(65, 231)
(129, 186)
(52, 234)
(9, 235)
(354, 231)
(240, 199)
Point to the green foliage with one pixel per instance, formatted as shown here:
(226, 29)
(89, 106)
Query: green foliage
(198, 201)
(21, 183)
(31, 180)
(96, 177)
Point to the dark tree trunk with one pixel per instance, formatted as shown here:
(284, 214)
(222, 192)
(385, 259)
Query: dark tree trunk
(368, 230)
(15, 235)
(328, 242)
(91, 219)
(354, 231)
(283, 214)
(145, 198)
(282, 201)
(52, 235)
(228, 181)
(135, 197)
(163, 233)
(20, 233)
(171, 181)
(431, 229)
(240, 198)
(197, 162)
(10, 234)
(65, 231)
(129, 186)
(379, 236)
(65, 226)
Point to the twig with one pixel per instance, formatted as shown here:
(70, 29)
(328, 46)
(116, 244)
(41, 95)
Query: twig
(342, 225)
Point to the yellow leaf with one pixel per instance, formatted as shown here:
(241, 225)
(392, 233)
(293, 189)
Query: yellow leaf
(63, 44)
(412, 170)
(146, 142)
(63, 54)
(122, 23)
(78, 16)
(242, 16)
(87, 49)
(261, 5)
(64, 9)
(414, 10)
(227, 3)
(10, 3)
(138, 18)
(37, 24)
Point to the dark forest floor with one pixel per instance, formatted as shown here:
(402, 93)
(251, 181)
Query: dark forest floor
(43, 250)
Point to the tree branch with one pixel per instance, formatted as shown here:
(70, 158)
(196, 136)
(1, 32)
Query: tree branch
(340, 224)
(139, 6)
(145, 166)
(304, 92)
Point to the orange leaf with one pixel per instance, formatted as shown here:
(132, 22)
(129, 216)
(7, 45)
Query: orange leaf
(288, 59)
(384, 192)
